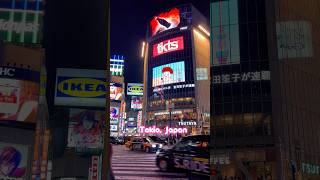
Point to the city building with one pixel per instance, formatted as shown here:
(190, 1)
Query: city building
(176, 70)
(117, 95)
(265, 89)
(23, 110)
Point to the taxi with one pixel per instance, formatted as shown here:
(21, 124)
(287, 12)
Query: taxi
(190, 154)
(143, 144)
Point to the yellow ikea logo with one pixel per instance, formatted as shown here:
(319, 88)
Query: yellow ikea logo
(82, 87)
(136, 89)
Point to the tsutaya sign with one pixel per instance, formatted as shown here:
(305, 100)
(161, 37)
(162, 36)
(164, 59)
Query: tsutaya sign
(166, 130)
(167, 46)
(243, 77)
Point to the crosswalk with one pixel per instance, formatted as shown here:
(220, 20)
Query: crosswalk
(134, 165)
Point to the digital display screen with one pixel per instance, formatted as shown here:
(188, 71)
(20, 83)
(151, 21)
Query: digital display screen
(164, 21)
(168, 74)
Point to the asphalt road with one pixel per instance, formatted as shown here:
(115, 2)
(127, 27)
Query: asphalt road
(138, 165)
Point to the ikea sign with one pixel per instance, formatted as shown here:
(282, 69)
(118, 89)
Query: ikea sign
(135, 89)
(80, 87)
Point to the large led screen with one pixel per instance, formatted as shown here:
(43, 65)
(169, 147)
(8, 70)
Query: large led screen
(85, 130)
(13, 161)
(164, 21)
(116, 92)
(168, 74)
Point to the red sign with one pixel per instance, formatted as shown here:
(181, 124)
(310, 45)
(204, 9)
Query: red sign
(94, 167)
(167, 46)
(165, 21)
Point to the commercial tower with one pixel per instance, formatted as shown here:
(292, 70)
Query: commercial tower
(23, 106)
(176, 70)
(265, 89)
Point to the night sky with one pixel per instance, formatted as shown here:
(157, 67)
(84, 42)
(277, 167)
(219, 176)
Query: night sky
(129, 21)
(75, 34)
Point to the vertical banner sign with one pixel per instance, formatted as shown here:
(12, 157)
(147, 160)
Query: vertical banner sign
(94, 167)
(40, 156)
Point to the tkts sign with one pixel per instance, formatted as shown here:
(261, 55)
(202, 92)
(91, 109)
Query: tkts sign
(167, 46)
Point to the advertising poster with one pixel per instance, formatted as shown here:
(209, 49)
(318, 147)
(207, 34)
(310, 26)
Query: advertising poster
(80, 87)
(136, 102)
(294, 39)
(13, 161)
(165, 21)
(225, 33)
(114, 113)
(85, 132)
(135, 89)
(116, 92)
(19, 98)
(168, 74)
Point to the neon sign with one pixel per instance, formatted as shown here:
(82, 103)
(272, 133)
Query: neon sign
(166, 130)
(167, 46)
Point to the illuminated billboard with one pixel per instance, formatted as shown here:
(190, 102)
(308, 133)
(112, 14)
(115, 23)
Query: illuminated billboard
(164, 21)
(136, 102)
(21, 21)
(19, 93)
(116, 66)
(13, 161)
(168, 74)
(114, 112)
(135, 89)
(80, 87)
(84, 132)
(116, 92)
(225, 33)
(170, 45)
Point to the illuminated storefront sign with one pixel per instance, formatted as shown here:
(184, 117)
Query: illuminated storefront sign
(181, 86)
(166, 113)
(168, 74)
(80, 87)
(165, 21)
(20, 25)
(244, 77)
(117, 65)
(113, 127)
(187, 123)
(166, 130)
(135, 89)
(167, 46)
(136, 102)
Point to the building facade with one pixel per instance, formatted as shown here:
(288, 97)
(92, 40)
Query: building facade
(264, 89)
(176, 71)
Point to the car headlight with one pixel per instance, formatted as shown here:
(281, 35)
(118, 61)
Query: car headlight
(153, 145)
(160, 145)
